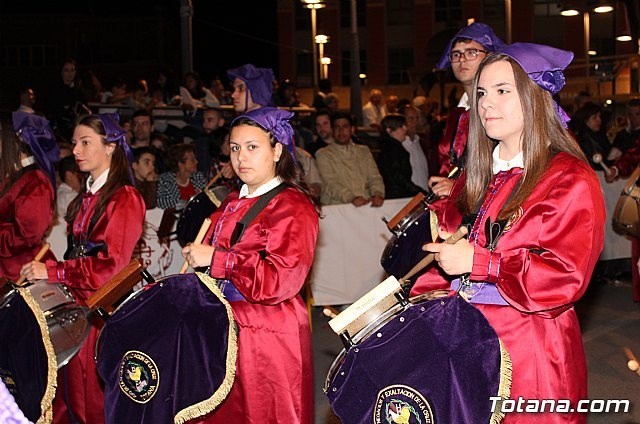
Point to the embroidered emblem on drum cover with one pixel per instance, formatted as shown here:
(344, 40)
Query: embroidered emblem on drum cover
(513, 219)
(402, 404)
(139, 377)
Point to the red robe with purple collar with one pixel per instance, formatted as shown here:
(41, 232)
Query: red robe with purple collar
(119, 228)
(26, 213)
(541, 266)
(269, 265)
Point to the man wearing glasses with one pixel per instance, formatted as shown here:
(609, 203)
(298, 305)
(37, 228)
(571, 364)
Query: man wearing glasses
(463, 54)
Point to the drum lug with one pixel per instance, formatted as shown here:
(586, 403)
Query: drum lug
(104, 315)
(346, 340)
(402, 298)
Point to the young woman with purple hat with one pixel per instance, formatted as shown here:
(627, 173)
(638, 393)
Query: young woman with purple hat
(535, 214)
(28, 150)
(262, 271)
(105, 223)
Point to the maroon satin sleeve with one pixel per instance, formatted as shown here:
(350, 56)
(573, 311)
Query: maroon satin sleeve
(119, 228)
(26, 213)
(271, 261)
(628, 162)
(547, 263)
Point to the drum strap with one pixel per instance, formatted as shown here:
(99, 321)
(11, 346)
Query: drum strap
(262, 202)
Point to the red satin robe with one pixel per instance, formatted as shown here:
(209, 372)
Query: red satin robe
(541, 266)
(120, 228)
(274, 376)
(26, 213)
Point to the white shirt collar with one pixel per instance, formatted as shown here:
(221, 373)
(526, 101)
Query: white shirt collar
(273, 183)
(30, 160)
(94, 186)
(505, 165)
(464, 102)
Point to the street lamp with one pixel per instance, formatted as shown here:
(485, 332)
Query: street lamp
(599, 7)
(313, 5)
(325, 61)
(321, 40)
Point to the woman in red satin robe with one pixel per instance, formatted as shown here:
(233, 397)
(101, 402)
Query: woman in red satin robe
(105, 222)
(27, 189)
(265, 271)
(526, 270)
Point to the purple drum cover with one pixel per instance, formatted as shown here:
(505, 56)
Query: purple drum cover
(435, 362)
(23, 357)
(164, 353)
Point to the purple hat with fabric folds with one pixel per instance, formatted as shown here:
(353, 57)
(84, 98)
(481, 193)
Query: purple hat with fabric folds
(35, 131)
(259, 81)
(544, 65)
(114, 133)
(275, 121)
(478, 32)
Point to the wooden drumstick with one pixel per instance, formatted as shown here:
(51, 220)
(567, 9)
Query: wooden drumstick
(633, 364)
(330, 312)
(203, 232)
(38, 258)
(214, 179)
(597, 158)
(460, 233)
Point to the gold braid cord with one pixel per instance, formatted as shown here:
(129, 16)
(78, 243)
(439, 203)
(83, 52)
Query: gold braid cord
(208, 405)
(504, 389)
(52, 364)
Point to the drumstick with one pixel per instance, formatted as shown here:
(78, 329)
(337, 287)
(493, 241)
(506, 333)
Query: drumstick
(214, 179)
(330, 312)
(203, 232)
(38, 258)
(460, 233)
(633, 362)
(597, 158)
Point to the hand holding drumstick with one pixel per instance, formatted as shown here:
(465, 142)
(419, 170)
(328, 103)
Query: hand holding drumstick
(34, 270)
(197, 254)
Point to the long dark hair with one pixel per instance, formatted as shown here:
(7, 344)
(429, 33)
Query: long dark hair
(11, 148)
(119, 173)
(287, 168)
(543, 136)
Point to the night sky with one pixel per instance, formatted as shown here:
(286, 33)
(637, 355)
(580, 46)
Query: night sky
(225, 33)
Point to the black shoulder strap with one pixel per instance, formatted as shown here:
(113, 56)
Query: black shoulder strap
(253, 212)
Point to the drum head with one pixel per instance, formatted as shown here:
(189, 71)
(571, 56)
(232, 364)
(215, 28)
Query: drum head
(436, 361)
(201, 206)
(26, 366)
(168, 351)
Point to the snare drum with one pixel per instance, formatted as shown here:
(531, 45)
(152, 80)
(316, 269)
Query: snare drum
(427, 361)
(169, 350)
(626, 216)
(411, 230)
(199, 207)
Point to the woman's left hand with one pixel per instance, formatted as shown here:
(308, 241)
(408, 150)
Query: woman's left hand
(198, 255)
(34, 271)
(454, 259)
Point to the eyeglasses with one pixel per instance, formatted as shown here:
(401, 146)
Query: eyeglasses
(469, 55)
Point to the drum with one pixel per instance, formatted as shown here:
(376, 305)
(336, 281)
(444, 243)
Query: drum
(626, 216)
(199, 207)
(41, 329)
(411, 230)
(431, 359)
(169, 350)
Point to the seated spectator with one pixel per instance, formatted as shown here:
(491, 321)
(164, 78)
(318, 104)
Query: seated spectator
(205, 143)
(146, 179)
(349, 172)
(586, 125)
(183, 180)
(332, 101)
(423, 150)
(310, 169)
(323, 135)
(70, 184)
(391, 103)
(374, 110)
(117, 93)
(626, 138)
(395, 162)
(27, 100)
(142, 127)
(194, 95)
